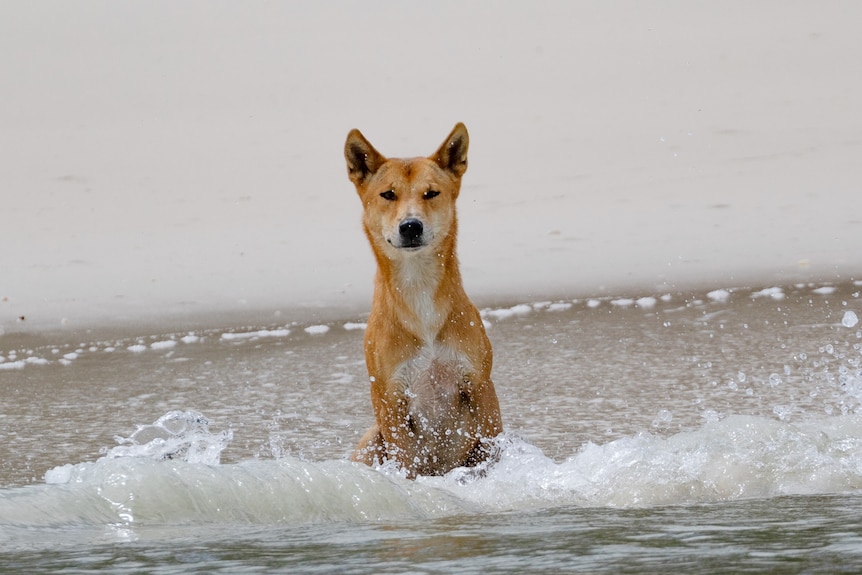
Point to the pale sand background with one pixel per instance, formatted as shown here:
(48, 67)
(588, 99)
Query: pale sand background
(162, 160)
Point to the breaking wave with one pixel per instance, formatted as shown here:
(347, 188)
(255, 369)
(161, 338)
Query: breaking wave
(168, 473)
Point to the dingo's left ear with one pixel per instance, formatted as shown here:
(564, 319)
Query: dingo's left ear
(362, 159)
(452, 155)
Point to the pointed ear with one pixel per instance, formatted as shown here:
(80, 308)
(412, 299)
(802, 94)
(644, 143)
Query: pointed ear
(362, 159)
(452, 155)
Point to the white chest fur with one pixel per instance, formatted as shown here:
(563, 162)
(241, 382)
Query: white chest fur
(434, 381)
(419, 278)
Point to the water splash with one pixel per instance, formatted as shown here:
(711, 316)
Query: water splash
(181, 435)
(739, 457)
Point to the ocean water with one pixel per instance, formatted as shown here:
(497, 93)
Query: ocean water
(714, 431)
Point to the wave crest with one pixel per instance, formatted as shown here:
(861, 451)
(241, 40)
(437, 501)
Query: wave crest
(735, 458)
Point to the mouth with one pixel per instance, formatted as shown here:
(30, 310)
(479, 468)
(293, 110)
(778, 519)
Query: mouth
(411, 246)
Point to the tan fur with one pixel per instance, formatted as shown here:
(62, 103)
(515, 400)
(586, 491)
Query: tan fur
(428, 358)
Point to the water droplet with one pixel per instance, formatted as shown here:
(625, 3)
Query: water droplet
(662, 418)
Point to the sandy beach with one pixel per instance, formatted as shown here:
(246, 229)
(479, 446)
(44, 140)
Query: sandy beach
(182, 162)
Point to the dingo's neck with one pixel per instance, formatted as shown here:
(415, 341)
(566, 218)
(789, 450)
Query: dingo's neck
(420, 289)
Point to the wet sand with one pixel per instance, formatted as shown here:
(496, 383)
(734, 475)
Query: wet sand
(179, 164)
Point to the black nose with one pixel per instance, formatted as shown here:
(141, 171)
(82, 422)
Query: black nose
(411, 232)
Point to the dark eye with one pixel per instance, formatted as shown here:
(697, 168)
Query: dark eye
(430, 194)
(388, 195)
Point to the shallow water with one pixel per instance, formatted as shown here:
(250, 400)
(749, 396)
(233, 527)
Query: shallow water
(707, 431)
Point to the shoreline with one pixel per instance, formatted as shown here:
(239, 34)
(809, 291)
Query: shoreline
(23, 336)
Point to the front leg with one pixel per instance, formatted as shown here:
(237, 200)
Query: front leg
(398, 443)
(371, 449)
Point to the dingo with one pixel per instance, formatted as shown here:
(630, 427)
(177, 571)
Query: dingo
(428, 358)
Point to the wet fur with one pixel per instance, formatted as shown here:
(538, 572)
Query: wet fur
(428, 357)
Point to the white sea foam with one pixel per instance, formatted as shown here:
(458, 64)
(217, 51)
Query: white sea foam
(720, 295)
(233, 336)
(737, 457)
(317, 329)
(508, 312)
(646, 302)
(776, 293)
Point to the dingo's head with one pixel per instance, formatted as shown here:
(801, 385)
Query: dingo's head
(409, 202)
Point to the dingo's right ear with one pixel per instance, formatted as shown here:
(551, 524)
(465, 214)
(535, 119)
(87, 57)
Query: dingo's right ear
(362, 159)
